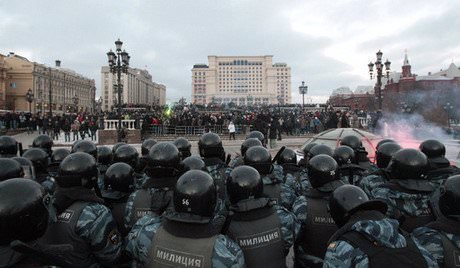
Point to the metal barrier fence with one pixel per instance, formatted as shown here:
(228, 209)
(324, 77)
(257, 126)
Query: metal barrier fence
(165, 130)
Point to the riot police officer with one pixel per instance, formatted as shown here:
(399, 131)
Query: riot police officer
(118, 185)
(27, 167)
(407, 194)
(10, 169)
(186, 234)
(8, 147)
(311, 151)
(442, 237)
(383, 142)
(56, 158)
(104, 160)
(258, 135)
(116, 146)
(184, 147)
(312, 211)
(85, 147)
(263, 231)
(146, 145)
(439, 168)
(129, 155)
(248, 143)
(288, 161)
(155, 197)
(304, 161)
(83, 220)
(44, 142)
(383, 156)
(349, 172)
(39, 159)
(276, 185)
(213, 154)
(361, 159)
(24, 217)
(366, 238)
(194, 162)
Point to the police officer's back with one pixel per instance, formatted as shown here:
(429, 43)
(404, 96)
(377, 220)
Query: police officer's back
(8, 147)
(155, 197)
(361, 158)
(184, 147)
(129, 155)
(442, 237)
(56, 158)
(264, 231)
(312, 211)
(383, 155)
(10, 169)
(118, 185)
(288, 161)
(407, 193)
(186, 234)
(366, 237)
(349, 172)
(104, 160)
(83, 219)
(24, 216)
(310, 152)
(43, 142)
(276, 185)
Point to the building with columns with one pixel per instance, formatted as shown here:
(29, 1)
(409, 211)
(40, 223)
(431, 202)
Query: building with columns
(70, 91)
(137, 88)
(242, 80)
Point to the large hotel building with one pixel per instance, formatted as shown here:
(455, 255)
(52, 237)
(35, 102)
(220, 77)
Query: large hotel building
(243, 80)
(138, 88)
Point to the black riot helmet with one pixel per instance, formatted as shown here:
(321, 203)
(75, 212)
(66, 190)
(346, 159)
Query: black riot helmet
(24, 211)
(184, 147)
(351, 141)
(8, 146)
(116, 145)
(146, 145)
(39, 159)
(244, 183)
(194, 162)
(104, 155)
(288, 156)
(10, 169)
(433, 149)
(85, 147)
(256, 134)
(77, 169)
(322, 169)
(27, 167)
(195, 193)
(449, 200)
(320, 149)
(210, 145)
(164, 154)
(308, 147)
(119, 177)
(58, 155)
(259, 158)
(344, 155)
(348, 199)
(126, 154)
(407, 164)
(248, 143)
(385, 152)
(44, 142)
(380, 143)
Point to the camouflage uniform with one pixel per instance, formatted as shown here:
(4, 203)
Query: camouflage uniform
(304, 181)
(139, 180)
(341, 254)
(237, 161)
(370, 182)
(289, 186)
(290, 226)
(226, 253)
(431, 240)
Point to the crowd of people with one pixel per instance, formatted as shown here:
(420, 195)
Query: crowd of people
(164, 207)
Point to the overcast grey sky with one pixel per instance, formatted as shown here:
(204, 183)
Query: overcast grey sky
(327, 43)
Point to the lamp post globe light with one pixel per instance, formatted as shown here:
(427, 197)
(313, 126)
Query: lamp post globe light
(118, 63)
(30, 99)
(379, 68)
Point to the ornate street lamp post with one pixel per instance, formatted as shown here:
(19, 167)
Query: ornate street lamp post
(75, 100)
(118, 63)
(379, 67)
(448, 108)
(303, 89)
(30, 99)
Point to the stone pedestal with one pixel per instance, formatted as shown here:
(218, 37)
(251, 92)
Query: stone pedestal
(107, 137)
